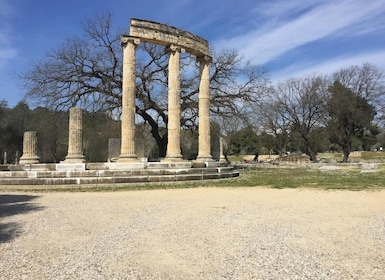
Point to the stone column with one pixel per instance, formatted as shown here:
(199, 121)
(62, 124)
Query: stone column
(222, 157)
(204, 149)
(127, 148)
(29, 148)
(75, 139)
(174, 111)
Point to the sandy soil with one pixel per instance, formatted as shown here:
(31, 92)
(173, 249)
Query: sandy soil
(204, 233)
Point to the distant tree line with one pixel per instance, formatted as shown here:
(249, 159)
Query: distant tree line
(341, 112)
(52, 134)
(52, 131)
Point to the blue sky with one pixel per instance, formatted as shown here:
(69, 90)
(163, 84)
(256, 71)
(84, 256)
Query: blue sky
(289, 37)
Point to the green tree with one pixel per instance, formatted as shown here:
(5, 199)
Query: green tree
(18, 119)
(367, 81)
(52, 130)
(4, 111)
(189, 144)
(245, 141)
(98, 127)
(268, 143)
(350, 115)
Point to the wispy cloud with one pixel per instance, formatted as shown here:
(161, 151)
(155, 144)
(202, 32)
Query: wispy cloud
(288, 30)
(281, 9)
(329, 66)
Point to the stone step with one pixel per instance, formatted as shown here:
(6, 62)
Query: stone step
(113, 176)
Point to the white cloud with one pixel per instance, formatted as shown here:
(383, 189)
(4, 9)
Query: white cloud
(284, 8)
(266, 44)
(332, 65)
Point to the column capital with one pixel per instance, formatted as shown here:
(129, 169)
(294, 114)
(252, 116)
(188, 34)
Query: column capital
(174, 48)
(205, 59)
(124, 40)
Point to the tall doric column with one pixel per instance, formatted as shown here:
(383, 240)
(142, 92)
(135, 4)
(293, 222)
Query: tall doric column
(29, 148)
(75, 139)
(174, 111)
(204, 152)
(127, 149)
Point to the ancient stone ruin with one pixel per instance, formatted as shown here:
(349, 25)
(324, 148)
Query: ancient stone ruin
(75, 138)
(175, 42)
(29, 148)
(128, 168)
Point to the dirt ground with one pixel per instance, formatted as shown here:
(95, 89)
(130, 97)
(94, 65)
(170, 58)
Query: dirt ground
(202, 233)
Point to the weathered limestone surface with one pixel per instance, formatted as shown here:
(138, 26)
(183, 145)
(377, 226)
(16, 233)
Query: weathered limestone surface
(127, 152)
(115, 173)
(162, 34)
(222, 157)
(71, 167)
(29, 148)
(75, 140)
(204, 153)
(173, 145)
(176, 41)
(114, 149)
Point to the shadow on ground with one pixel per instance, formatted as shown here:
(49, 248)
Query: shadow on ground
(11, 205)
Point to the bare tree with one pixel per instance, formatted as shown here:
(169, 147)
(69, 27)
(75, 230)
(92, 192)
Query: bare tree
(275, 122)
(83, 71)
(299, 103)
(236, 87)
(87, 72)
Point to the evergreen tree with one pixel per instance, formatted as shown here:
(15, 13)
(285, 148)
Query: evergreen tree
(350, 115)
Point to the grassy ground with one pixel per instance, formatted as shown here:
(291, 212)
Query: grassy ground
(350, 179)
(343, 179)
(356, 156)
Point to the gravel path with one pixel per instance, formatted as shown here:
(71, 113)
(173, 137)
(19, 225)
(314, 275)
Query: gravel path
(204, 233)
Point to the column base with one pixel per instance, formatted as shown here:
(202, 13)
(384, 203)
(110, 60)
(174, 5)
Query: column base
(206, 163)
(222, 159)
(204, 158)
(74, 159)
(173, 158)
(29, 160)
(128, 158)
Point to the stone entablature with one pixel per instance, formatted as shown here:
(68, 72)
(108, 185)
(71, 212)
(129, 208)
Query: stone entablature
(165, 35)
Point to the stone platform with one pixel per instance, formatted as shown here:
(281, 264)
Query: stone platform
(112, 173)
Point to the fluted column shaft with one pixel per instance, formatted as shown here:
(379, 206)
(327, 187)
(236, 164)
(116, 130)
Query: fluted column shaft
(204, 151)
(222, 157)
(29, 148)
(127, 150)
(75, 139)
(174, 111)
